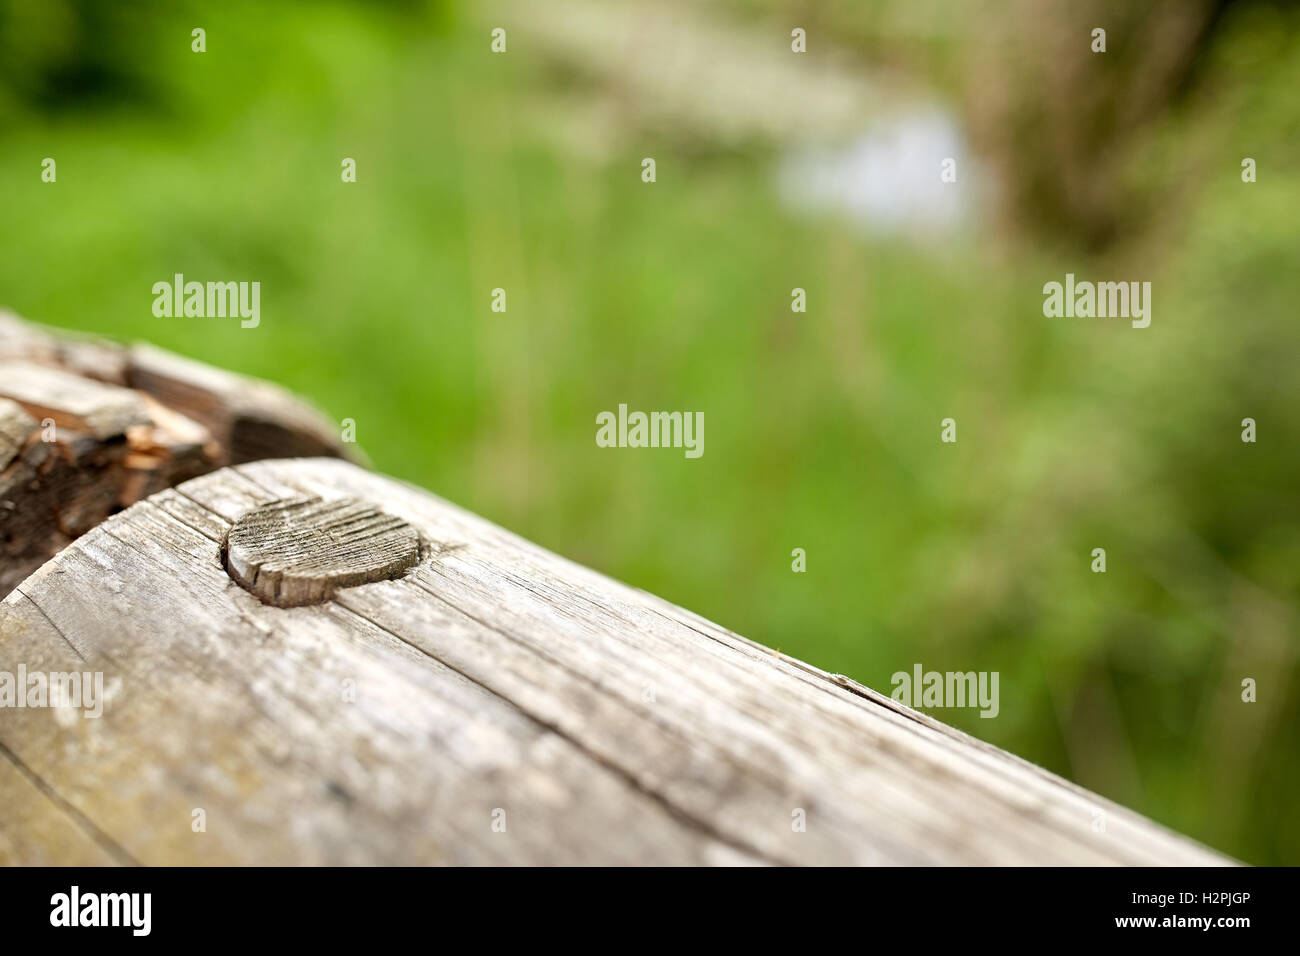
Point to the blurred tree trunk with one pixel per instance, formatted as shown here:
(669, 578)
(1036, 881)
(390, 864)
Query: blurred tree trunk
(1059, 120)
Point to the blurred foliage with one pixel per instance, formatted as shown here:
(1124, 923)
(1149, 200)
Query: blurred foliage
(822, 429)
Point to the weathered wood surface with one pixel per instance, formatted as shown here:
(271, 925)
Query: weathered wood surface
(303, 550)
(88, 427)
(492, 683)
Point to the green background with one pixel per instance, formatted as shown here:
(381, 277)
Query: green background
(822, 429)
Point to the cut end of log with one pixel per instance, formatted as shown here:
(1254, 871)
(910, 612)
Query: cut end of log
(89, 427)
(301, 550)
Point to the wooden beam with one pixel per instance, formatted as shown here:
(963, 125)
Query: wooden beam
(492, 704)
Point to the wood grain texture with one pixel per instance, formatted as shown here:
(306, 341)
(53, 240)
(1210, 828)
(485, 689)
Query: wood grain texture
(100, 410)
(302, 550)
(88, 427)
(15, 426)
(495, 704)
(252, 419)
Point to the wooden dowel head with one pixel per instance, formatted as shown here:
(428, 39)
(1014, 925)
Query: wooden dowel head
(300, 551)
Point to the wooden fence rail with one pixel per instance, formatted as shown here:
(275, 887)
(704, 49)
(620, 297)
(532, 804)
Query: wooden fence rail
(306, 662)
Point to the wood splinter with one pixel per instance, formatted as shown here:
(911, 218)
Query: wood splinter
(300, 551)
